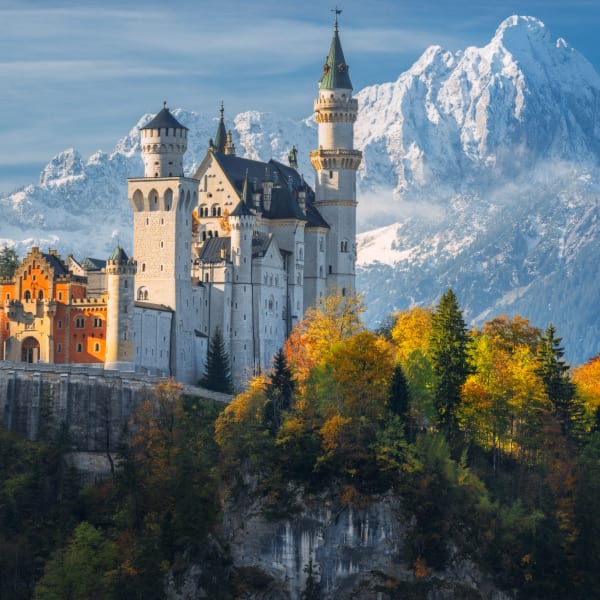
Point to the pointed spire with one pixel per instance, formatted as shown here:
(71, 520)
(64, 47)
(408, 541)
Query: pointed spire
(335, 70)
(221, 137)
(229, 145)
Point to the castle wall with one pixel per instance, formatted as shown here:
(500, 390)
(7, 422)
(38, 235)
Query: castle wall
(94, 405)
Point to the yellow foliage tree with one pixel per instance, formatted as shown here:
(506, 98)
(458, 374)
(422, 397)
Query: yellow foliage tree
(411, 332)
(587, 379)
(336, 318)
(239, 429)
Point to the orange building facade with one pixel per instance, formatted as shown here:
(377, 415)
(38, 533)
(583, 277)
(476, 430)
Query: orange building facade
(47, 316)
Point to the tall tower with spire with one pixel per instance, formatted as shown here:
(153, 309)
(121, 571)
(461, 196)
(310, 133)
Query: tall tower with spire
(335, 163)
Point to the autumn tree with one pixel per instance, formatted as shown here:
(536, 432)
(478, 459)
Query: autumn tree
(240, 430)
(411, 335)
(510, 333)
(217, 376)
(354, 381)
(335, 318)
(449, 355)
(586, 378)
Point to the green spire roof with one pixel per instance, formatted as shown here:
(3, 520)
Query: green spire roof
(119, 255)
(335, 69)
(221, 137)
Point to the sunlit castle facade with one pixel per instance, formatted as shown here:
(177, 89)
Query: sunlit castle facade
(243, 247)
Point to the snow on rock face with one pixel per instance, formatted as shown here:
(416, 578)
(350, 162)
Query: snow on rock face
(482, 165)
(66, 164)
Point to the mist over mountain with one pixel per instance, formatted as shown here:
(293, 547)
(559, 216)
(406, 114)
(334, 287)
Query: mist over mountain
(480, 173)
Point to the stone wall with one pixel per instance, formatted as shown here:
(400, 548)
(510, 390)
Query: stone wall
(95, 404)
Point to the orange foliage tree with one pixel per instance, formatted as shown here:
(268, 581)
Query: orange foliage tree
(337, 317)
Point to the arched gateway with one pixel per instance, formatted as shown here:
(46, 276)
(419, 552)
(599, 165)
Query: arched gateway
(30, 350)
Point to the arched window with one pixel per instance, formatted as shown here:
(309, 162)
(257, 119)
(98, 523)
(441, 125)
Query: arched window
(40, 295)
(27, 296)
(168, 199)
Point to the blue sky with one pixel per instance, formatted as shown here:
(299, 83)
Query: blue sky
(80, 73)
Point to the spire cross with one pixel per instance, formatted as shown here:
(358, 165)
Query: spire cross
(337, 11)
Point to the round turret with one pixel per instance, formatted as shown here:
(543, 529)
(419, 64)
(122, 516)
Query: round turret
(164, 142)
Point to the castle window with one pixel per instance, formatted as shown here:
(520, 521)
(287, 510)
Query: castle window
(162, 244)
(321, 271)
(161, 268)
(79, 323)
(97, 322)
(330, 269)
(125, 284)
(330, 174)
(40, 295)
(7, 297)
(143, 267)
(79, 348)
(59, 324)
(27, 296)
(125, 336)
(96, 347)
(60, 295)
(343, 291)
(59, 347)
(206, 277)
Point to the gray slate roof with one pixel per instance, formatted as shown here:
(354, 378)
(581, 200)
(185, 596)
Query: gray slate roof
(164, 119)
(211, 249)
(57, 265)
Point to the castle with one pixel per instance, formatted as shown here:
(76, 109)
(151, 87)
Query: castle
(243, 247)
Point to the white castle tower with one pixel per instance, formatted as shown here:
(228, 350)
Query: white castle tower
(335, 164)
(162, 203)
(120, 272)
(241, 222)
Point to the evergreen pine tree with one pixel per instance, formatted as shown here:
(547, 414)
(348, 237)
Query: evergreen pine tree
(554, 372)
(279, 392)
(217, 376)
(399, 399)
(9, 261)
(449, 349)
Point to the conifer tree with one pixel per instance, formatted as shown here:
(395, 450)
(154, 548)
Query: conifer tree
(9, 261)
(279, 392)
(554, 372)
(449, 349)
(217, 376)
(399, 398)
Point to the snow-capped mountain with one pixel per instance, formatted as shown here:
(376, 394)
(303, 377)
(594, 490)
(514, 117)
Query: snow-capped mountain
(482, 165)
